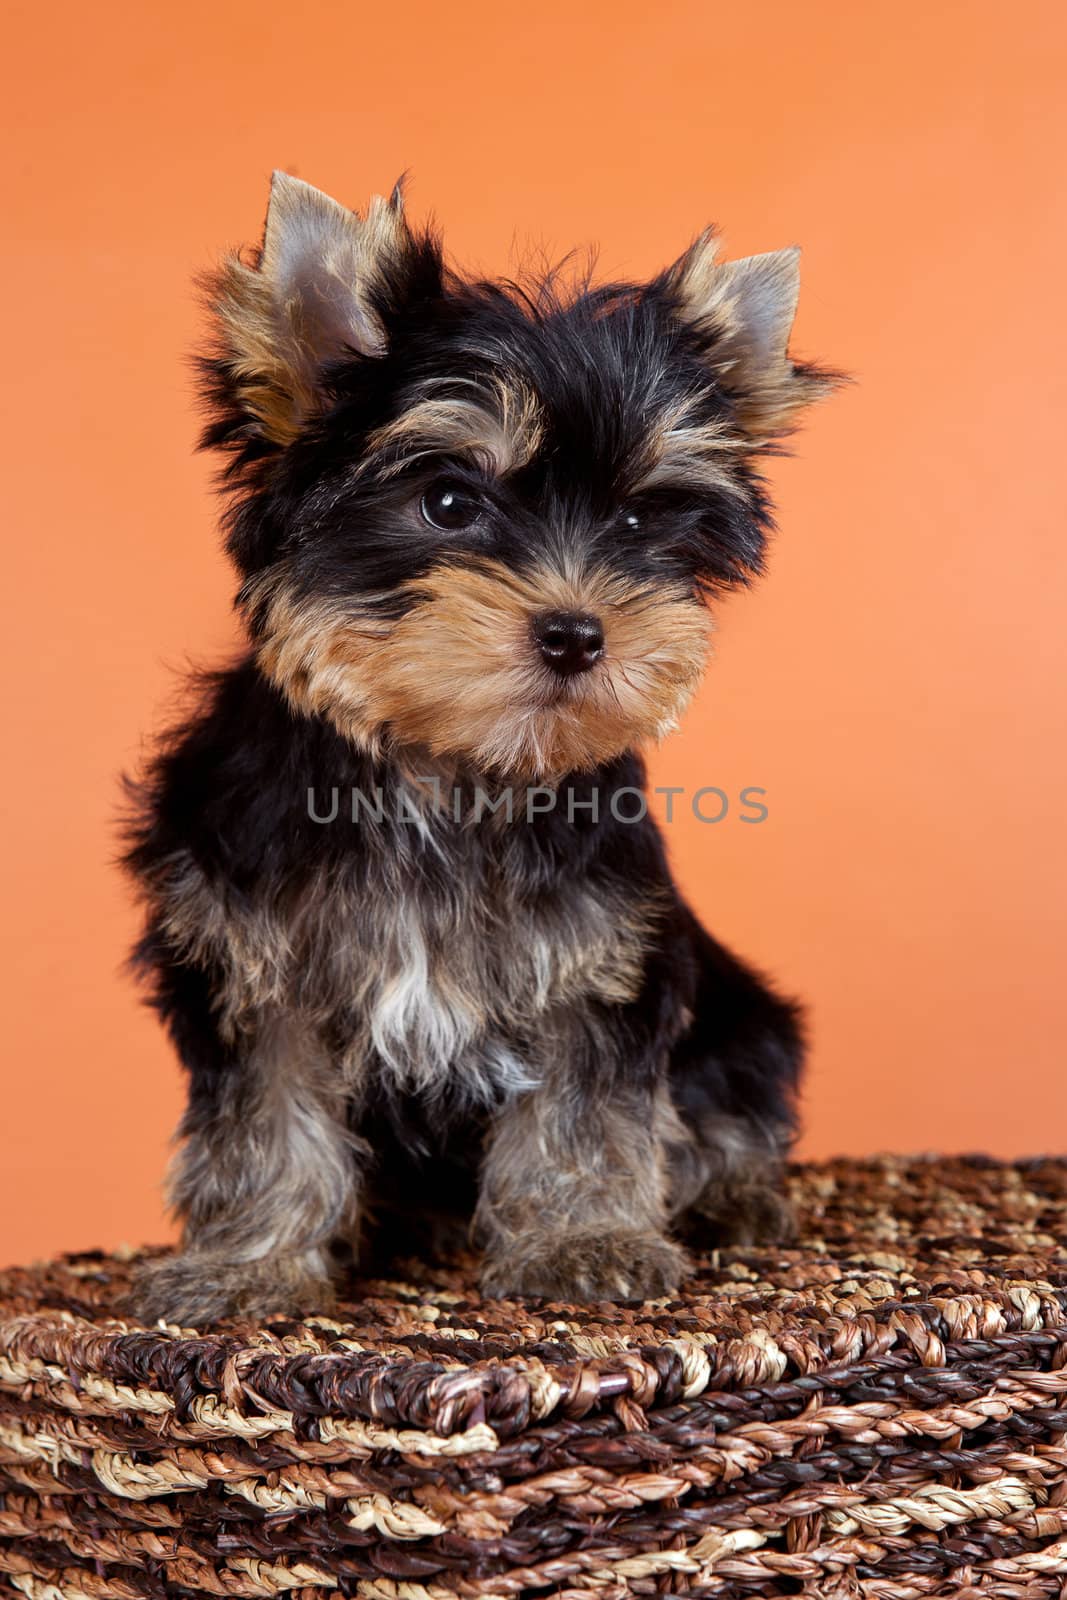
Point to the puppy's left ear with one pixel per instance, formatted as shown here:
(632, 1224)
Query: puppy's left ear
(743, 313)
(317, 290)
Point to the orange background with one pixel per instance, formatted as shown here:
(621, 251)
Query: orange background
(895, 684)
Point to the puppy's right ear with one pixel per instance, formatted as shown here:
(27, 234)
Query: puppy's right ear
(314, 293)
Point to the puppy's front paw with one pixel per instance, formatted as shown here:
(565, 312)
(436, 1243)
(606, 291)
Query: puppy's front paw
(742, 1215)
(197, 1287)
(586, 1266)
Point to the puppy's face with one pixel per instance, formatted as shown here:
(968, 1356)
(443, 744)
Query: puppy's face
(482, 522)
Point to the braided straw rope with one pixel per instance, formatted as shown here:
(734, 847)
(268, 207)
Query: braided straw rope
(880, 1410)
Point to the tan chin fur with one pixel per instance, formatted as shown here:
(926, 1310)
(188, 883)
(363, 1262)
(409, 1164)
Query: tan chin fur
(458, 675)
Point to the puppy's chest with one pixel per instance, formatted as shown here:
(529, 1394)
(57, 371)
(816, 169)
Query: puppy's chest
(447, 970)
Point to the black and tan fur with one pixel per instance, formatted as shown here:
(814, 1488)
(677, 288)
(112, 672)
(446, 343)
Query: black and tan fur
(438, 1012)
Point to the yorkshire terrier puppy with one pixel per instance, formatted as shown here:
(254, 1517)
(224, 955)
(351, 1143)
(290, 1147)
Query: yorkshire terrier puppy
(477, 526)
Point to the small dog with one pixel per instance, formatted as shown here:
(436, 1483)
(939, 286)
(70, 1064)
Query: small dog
(476, 526)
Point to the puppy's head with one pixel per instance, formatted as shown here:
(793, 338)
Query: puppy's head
(484, 520)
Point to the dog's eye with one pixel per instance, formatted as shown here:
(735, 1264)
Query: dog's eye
(449, 506)
(630, 519)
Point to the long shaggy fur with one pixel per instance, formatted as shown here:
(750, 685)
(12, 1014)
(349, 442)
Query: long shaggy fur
(440, 1006)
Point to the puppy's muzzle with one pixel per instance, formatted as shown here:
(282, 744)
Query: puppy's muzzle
(569, 641)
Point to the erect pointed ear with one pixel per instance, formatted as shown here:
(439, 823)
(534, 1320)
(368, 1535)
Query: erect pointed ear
(311, 294)
(743, 312)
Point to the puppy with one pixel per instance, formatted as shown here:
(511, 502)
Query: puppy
(414, 937)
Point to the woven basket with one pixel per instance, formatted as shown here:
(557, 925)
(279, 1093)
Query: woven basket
(881, 1411)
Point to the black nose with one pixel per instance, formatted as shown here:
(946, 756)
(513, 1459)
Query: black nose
(569, 641)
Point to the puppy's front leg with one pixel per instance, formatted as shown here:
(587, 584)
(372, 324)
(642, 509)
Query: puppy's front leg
(573, 1198)
(265, 1177)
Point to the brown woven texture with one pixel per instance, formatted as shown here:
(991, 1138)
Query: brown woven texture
(880, 1410)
